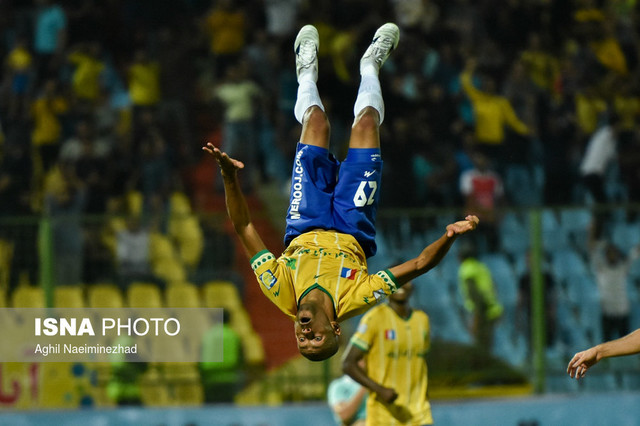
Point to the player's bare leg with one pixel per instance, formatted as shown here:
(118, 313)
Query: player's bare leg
(309, 110)
(369, 106)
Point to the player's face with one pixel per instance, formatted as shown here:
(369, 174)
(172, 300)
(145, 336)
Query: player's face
(312, 328)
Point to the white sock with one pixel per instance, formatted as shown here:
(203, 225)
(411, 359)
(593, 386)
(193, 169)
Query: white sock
(369, 94)
(308, 96)
(369, 68)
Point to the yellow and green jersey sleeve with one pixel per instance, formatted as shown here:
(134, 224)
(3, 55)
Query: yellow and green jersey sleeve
(275, 281)
(328, 260)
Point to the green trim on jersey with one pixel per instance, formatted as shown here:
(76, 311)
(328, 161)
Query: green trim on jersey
(321, 288)
(389, 279)
(363, 346)
(260, 258)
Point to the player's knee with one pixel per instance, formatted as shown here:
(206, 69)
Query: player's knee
(316, 119)
(368, 120)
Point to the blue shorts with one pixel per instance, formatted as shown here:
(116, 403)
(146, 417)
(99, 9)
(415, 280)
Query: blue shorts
(328, 195)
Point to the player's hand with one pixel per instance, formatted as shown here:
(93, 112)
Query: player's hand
(581, 362)
(461, 227)
(228, 165)
(387, 395)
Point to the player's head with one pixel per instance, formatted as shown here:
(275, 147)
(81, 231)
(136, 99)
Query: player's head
(402, 295)
(316, 334)
(467, 250)
(613, 254)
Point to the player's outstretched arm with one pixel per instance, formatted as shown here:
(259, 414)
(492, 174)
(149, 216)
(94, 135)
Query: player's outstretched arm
(582, 361)
(350, 366)
(236, 204)
(434, 252)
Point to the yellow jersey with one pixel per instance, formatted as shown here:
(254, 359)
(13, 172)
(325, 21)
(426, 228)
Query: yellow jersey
(492, 113)
(144, 83)
(19, 59)
(86, 77)
(395, 358)
(47, 128)
(330, 261)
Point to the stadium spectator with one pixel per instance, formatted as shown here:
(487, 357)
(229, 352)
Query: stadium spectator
(479, 297)
(47, 112)
(328, 245)
(611, 270)
(154, 162)
(393, 339)
(541, 67)
(281, 17)
(49, 37)
(226, 25)
(133, 253)
(348, 400)
(86, 82)
(600, 153)
(629, 163)
(124, 385)
(15, 201)
(90, 165)
(241, 98)
(221, 380)
(523, 304)
(492, 113)
(483, 193)
(19, 79)
(590, 107)
(65, 203)
(143, 83)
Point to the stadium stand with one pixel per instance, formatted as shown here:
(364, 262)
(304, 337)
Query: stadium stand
(28, 297)
(144, 295)
(68, 297)
(104, 295)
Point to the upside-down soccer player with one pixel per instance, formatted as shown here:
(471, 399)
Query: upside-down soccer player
(322, 278)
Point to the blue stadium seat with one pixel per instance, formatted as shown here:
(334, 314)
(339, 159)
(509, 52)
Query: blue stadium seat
(566, 263)
(625, 235)
(520, 186)
(504, 277)
(554, 236)
(432, 294)
(576, 222)
(431, 291)
(509, 345)
(514, 235)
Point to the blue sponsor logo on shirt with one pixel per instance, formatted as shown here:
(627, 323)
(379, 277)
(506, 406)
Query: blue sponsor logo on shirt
(268, 279)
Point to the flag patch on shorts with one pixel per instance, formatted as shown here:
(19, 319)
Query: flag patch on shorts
(349, 274)
(390, 334)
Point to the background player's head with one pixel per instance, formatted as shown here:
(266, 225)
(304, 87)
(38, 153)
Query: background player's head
(317, 335)
(402, 295)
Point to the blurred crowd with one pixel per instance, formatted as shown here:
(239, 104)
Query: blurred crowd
(489, 103)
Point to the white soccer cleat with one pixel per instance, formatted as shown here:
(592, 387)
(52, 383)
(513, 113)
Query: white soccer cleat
(384, 41)
(306, 49)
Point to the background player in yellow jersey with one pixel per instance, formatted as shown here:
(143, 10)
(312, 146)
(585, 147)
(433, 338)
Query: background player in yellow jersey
(322, 278)
(393, 339)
